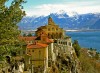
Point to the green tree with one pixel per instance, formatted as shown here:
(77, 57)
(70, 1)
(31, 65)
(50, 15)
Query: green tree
(24, 35)
(10, 16)
(77, 47)
(29, 34)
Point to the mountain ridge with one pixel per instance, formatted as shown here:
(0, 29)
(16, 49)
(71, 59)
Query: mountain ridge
(77, 21)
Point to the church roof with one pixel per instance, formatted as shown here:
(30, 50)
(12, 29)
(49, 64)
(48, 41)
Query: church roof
(36, 46)
(47, 40)
(27, 38)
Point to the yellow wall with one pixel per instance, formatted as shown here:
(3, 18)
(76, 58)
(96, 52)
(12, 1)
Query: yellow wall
(38, 56)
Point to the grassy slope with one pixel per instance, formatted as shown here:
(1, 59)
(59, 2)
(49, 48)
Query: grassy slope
(89, 64)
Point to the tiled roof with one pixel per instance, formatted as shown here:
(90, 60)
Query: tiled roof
(27, 38)
(36, 45)
(35, 39)
(49, 40)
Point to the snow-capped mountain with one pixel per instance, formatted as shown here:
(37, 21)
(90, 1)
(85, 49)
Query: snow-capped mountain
(76, 21)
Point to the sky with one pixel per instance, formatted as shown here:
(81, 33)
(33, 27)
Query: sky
(45, 7)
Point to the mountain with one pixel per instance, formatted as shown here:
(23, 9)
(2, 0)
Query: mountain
(96, 25)
(77, 21)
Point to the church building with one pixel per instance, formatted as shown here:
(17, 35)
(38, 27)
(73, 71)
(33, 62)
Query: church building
(51, 29)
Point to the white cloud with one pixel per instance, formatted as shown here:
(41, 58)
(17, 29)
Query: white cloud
(79, 7)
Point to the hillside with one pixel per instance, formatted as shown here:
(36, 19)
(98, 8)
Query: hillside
(89, 61)
(96, 25)
(84, 64)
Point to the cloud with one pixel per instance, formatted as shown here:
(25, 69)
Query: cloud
(79, 7)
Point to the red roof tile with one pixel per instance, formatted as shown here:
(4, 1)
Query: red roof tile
(36, 45)
(49, 40)
(27, 38)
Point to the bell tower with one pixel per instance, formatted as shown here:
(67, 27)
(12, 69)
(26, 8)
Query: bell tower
(50, 21)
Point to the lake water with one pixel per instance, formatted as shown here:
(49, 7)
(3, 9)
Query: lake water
(87, 39)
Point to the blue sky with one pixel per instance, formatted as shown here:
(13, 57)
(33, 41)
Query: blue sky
(45, 7)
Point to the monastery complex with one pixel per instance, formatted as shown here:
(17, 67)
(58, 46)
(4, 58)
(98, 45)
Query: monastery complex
(43, 49)
(52, 30)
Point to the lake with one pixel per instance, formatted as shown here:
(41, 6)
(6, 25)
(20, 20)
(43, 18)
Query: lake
(88, 39)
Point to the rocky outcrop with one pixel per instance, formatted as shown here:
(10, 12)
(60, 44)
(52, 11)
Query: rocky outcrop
(68, 63)
(66, 60)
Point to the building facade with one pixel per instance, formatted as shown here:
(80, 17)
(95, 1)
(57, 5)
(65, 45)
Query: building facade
(38, 57)
(39, 52)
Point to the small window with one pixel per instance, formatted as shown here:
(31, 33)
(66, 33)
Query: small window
(39, 52)
(59, 42)
(66, 43)
(32, 50)
(55, 41)
(52, 28)
(69, 44)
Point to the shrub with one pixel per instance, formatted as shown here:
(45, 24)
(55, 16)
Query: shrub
(77, 47)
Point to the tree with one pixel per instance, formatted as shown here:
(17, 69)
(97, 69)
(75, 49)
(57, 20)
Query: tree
(29, 34)
(24, 35)
(77, 47)
(9, 18)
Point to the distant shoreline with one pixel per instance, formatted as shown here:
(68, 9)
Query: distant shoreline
(69, 30)
(82, 30)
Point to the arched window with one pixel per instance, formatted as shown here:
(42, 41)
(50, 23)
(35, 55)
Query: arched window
(52, 29)
(49, 35)
(69, 43)
(56, 35)
(56, 29)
